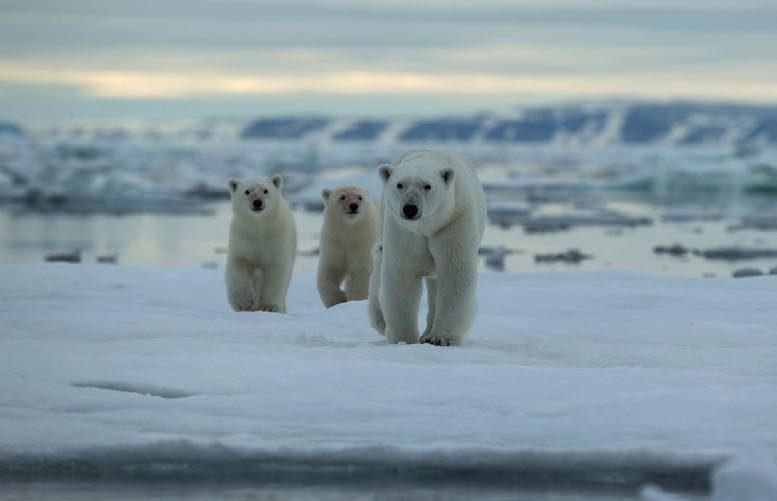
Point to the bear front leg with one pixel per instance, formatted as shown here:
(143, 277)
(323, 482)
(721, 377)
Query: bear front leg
(275, 284)
(240, 288)
(328, 281)
(455, 307)
(399, 296)
(431, 294)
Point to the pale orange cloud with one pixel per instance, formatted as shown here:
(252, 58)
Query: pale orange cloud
(155, 84)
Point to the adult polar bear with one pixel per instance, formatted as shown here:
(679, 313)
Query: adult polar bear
(434, 214)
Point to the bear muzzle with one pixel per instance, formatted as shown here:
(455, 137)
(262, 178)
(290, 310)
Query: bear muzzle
(257, 205)
(410, 212)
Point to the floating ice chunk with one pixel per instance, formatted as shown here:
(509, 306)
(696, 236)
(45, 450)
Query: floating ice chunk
(761, 222)
(747, 272)
(653, 493)
(676, 250)
(601, 217)
(495, 256)
(691, 217)
(507, 214)
(737, 253)
(64, 257)
(570, 256)
(538, 190)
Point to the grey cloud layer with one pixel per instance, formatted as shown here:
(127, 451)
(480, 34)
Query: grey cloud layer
(729, 45)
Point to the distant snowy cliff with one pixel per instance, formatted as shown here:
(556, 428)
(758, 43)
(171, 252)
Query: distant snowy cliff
(156, 165)
(10, 129)
(606, 124)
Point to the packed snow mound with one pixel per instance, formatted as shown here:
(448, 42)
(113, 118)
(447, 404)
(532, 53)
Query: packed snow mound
(747, 477)
(608, 376)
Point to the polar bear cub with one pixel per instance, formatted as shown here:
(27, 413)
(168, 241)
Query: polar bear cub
(434, 214)
(348, 233)
(262, 245)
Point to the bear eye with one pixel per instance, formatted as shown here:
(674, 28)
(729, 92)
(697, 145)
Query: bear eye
(360, 197)
(427, 187)
(342, 197)
(265, 191)
(400, 186)
(248, 192)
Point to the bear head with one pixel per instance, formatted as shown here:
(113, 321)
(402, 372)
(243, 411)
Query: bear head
(348, 202)
(418, 191)
(255, 196)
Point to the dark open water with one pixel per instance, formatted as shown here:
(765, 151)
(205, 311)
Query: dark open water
(200, 239)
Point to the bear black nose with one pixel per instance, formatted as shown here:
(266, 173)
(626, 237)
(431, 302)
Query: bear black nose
(353, 207)
(257, 204)
(410, 211)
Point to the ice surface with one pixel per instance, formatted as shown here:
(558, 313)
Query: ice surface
(750, 476)
(653, 493)
(614, 376)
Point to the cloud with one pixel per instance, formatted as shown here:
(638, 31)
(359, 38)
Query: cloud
(415, 51)
(162, 85)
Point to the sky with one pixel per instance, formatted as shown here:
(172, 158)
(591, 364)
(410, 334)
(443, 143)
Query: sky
(108, 59)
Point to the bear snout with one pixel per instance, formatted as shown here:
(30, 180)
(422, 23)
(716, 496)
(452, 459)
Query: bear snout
(410, 211)
(353, 208)
(257, 204)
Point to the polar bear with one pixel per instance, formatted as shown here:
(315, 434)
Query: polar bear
(348, 233)
(262, 245)
(434, 214)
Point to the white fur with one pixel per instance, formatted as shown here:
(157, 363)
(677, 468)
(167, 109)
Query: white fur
(438, 241)
(373, 306)
(347, 238)
(262, 246)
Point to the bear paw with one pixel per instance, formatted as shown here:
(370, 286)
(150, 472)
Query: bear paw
(243, 302)
(437, 340)
(380, 326)
(377, 321)
(273, 308)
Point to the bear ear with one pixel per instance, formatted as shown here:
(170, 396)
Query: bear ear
(385, 172)
(233, 184)
(447, 175)
(277, 181)
(325, 194)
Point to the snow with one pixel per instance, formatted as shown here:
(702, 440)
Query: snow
(748, 477)
(652, 493)
(604, 374)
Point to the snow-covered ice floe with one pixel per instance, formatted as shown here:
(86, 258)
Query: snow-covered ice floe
(603, 377)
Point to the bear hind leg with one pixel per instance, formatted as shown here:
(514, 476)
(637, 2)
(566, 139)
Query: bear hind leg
(357, 284)
(373, 304)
